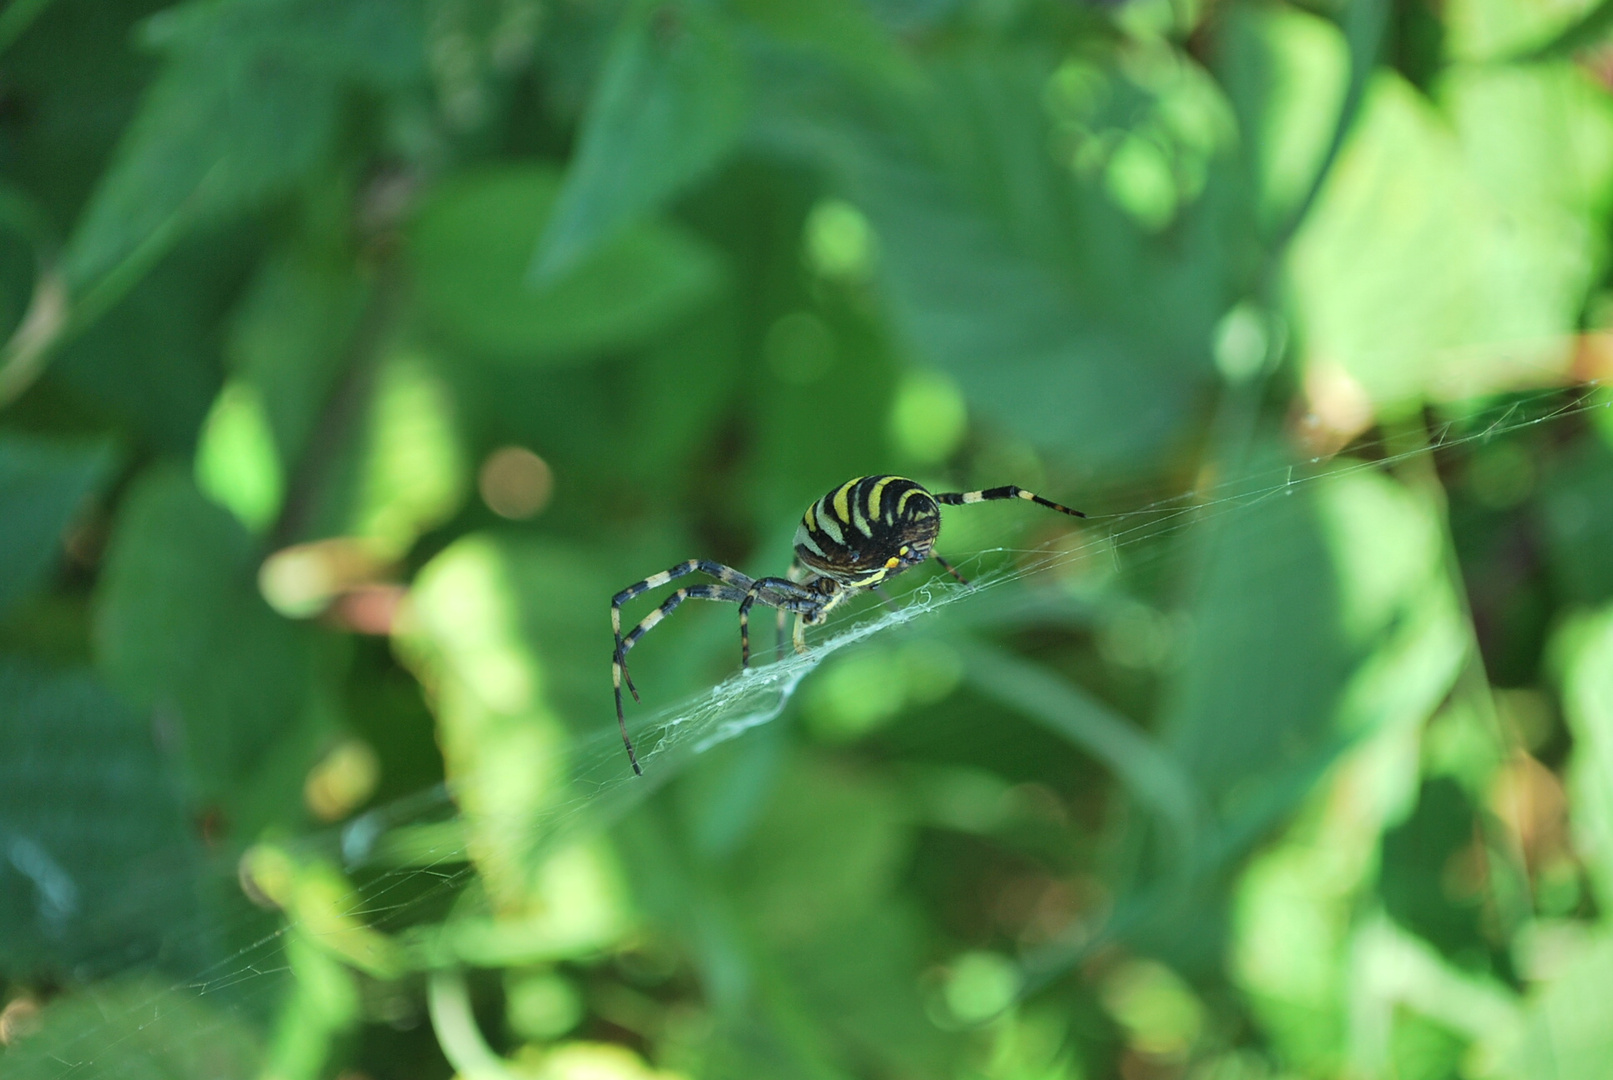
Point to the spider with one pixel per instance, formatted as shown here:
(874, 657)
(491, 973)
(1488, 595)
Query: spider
(857, 536)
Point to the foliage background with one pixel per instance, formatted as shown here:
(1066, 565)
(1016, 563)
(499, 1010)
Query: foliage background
(357, 351)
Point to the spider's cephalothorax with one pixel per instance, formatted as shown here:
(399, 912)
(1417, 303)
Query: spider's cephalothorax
(862, 533)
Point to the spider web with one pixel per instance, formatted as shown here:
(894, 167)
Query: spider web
(151, 1017)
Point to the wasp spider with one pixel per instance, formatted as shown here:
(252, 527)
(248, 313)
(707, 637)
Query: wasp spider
(862, 533)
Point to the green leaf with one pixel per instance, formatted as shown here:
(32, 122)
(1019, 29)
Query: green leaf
(150, 363)
(180, 626)
(215, 135)
(1285, 72)
(1585, 651)
(43, 486)
(101, 861)
(845, 32)
(247, 106)
(403, 470)
(1488, 31)
(1034, 279)
(373, 42)
(1567, 1029)
(1577, 512)
(469, 249)
(493, 633)
(1450, 255)
(289, 338)
(670, 103)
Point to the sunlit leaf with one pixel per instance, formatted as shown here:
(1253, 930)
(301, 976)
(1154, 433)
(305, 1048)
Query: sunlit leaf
(482, 637)
(1587, 673)
(1041, 294)
(1444, 260)
(1566, 1032)
(404, 469)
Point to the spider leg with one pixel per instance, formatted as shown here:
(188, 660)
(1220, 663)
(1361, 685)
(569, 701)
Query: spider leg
(802, 575)
(959, 498)
(618, 661)
(802, 618)
(948, 568)
(727, 593)
(725, 574)
(781, 593)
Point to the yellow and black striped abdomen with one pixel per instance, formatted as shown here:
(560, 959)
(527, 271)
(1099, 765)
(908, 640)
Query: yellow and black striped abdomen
(868, 529)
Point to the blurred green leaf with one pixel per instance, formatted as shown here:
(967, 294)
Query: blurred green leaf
(206, 142)
(1566, 1032)
(289, 336)
(1585, 661)
(846, 32)
(1417, 858)
(144, 1030)
(1028, 280)
(401, 468)
(1577, 514)
(180, 627)
(492, 636)
(816, 878)
(101, 865)
(44, 484)
(1487, 31)
(669, 105)
(1285, 73)
(827, 847)
(236, 463)
(247, 106)
(1444, 260)
(150, 363)
(469, 248)
(371, 42)
(1154, 779)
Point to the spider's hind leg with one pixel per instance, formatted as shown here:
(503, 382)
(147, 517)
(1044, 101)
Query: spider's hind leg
(948, 568)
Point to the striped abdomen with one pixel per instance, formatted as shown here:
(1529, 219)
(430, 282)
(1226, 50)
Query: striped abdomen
(868, 529)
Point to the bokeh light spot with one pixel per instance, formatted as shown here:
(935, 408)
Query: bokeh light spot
(18, 1020)
(1242, 344)
(515, 483)
(342, 780)
(1158, 1010)
(541, 1005)
(1140, 181)
(979, 986)
(839, 241)
(928, 418)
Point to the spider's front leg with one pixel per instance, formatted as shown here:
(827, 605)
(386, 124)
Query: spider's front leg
(781, 593)
(831, 593)
(732, 590)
